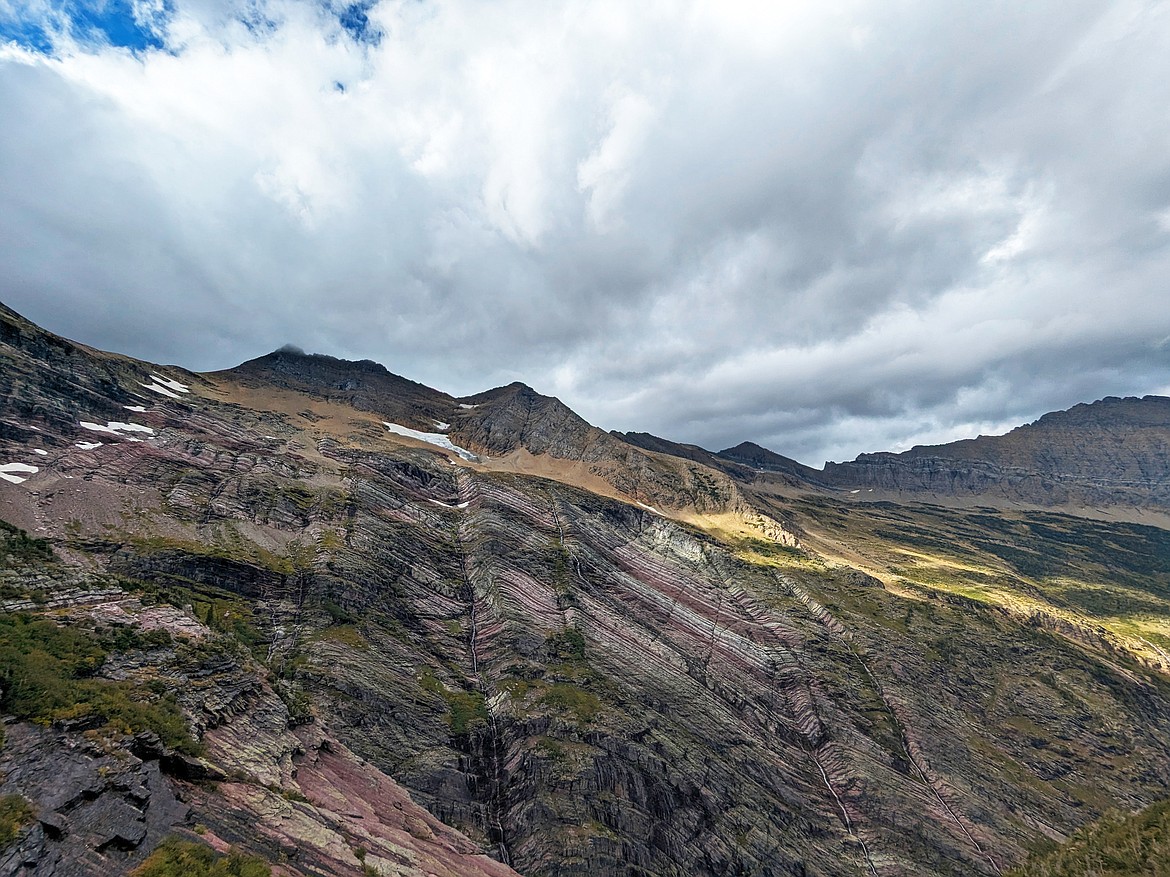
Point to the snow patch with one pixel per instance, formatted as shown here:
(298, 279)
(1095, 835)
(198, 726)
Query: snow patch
(651, 508)
(856, 491)
(467, 407)
(161, 390)
(461, 505)
(40, 452)
(441, 426)
(174, 386)
(8, 472)
(115, 427)
(89, 446)
(139, 409)
(432, 438)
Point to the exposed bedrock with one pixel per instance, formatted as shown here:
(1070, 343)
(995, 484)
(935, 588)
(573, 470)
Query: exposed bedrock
(567, 683)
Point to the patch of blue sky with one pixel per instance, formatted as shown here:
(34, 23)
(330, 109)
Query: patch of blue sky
(26, 32)
(357, 24)
(119, 23)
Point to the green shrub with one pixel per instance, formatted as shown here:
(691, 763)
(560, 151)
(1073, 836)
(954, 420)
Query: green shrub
(338, 614)
(17, 548)
(567, 698)
(179, 858)
(468, 709)
(46, 673)
(15, 814)
(567, 645)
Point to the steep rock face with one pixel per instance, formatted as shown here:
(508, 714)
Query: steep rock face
(579, 685)
(102, 799)
(97, 811)
(1112, 452)
(506, 418)
(81, 384)
(516, 416)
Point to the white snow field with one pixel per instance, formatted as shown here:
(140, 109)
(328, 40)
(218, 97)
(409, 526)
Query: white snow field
(8, 471)
(173, 386)
(162, 391)
(433, 438)
(115, 427)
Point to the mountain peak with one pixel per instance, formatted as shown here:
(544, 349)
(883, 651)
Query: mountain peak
(515, 415)
(290, 358)
(760, 458)
(363, 384)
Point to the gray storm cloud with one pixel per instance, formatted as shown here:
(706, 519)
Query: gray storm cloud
(827, 228)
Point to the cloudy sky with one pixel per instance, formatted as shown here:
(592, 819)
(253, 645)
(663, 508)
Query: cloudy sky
(828, 227)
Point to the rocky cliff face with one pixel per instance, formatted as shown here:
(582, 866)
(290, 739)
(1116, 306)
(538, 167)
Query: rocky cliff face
(1111, 452)
(455, 666)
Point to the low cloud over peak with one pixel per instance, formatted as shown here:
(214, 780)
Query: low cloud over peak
(824, 228)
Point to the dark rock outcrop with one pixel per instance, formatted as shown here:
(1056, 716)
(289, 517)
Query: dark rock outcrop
(1114, 452)
(98, 811)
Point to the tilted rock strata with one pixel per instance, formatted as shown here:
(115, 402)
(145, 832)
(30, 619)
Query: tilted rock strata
(576, 683)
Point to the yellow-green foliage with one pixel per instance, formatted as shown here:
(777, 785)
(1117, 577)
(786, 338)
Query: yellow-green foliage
(577, 702)
(46, 673)
(330, 541)
(1076, 571)
(1118, 845)
(345, 634)
(766, 552)
(467, 709)
(15, 814)
(228, 544)
(178, 858)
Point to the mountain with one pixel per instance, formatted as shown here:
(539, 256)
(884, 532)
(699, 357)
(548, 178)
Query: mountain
(340, 622)
(1114, 452)
(762, 460)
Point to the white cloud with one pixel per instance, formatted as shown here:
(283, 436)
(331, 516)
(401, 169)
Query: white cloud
(825, 227)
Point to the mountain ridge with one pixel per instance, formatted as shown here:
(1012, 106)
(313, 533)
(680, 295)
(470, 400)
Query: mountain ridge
(1115, 451)
(1023, 465)
(524, 651)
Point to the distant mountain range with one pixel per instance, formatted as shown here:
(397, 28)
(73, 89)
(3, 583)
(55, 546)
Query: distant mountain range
(1114, 452)
(341, 623)
(1111, 452)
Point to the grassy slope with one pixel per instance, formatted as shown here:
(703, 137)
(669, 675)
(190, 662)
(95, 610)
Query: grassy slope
(1098, 581)
(1119, 845)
